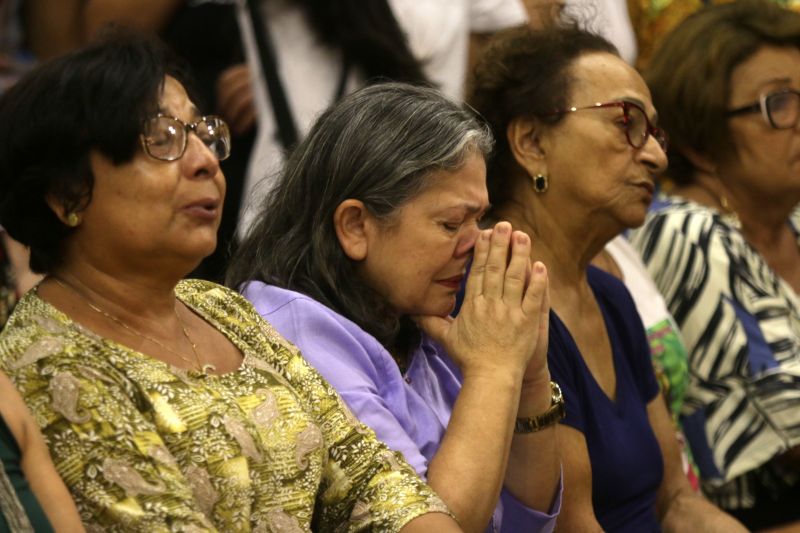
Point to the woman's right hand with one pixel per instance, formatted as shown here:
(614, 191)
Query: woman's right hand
(502, 321)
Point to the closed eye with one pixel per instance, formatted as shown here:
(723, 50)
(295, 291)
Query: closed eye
(451, 227)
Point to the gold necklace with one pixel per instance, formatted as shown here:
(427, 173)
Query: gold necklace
(204, 368)
(720, 198)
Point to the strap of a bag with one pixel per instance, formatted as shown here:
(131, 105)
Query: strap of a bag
(287, 131)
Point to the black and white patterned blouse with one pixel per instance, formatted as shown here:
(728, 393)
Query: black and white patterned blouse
(741, 325)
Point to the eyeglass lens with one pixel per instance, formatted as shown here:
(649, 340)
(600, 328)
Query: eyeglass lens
(638, 128)
(782, 109)
(166, 137)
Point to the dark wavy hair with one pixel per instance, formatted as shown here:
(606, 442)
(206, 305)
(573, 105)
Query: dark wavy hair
(96, 97)
(368, 35)
(378, 145)
(525, 73)
(690, 73)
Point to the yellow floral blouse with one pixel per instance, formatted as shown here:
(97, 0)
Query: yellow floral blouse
(144, 446)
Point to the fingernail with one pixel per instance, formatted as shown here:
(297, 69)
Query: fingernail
(522, 238)
(502, 229)
(485, 234)
(539, 267)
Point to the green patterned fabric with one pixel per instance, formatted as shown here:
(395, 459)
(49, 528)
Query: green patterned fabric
(144, 446)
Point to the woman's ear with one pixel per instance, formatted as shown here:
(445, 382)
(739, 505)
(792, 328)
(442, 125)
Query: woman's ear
(58, 209)
(525, 141)
(350, 221)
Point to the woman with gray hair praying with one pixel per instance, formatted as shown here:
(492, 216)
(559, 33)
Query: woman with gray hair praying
(357, 256)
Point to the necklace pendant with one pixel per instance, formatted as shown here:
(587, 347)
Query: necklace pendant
(208, 368)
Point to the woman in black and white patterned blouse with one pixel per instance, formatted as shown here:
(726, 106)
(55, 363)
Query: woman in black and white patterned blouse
(724, 249)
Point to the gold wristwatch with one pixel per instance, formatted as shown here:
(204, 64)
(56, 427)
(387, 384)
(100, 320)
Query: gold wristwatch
(555, 413)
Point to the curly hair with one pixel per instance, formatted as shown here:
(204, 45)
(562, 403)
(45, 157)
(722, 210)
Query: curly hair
(525, 73)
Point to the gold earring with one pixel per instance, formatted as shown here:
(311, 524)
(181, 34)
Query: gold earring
(73, 220)
(540, 183)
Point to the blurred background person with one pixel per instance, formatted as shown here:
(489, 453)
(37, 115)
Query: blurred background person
(375, 216)
(577, 155)
(652, 20)
(166, 404)
(30, 30)
(608, 18)
(723, 247)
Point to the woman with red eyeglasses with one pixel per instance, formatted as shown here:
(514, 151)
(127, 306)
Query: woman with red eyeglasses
(577, 157)
(724, 247)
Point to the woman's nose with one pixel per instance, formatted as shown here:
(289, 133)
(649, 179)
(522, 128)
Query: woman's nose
(653, 156)
(467, 242)
(198, 158)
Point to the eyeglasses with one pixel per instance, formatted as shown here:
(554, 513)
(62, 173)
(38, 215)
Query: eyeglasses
(637, 126)
(779, 109)
(165, 137)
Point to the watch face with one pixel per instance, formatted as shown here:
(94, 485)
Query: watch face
(558, 396)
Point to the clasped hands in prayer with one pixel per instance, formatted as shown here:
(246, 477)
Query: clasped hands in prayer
(501, 328)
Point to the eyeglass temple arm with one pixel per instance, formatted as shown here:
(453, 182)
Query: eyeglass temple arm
(752, 108)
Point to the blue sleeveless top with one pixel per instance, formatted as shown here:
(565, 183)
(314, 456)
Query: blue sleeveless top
(627, 466)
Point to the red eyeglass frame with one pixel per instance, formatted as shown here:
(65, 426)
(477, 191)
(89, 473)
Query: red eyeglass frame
(657, 133)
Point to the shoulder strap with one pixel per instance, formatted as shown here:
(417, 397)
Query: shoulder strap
(287, 132)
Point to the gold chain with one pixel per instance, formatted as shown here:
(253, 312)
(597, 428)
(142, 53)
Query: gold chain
(720, 199)
(205, 368)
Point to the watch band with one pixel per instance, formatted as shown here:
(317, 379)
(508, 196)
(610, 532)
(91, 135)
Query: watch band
(554, 413)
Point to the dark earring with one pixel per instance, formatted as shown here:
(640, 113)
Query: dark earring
(540, 183)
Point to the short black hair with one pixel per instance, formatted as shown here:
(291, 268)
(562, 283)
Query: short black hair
(96, 97)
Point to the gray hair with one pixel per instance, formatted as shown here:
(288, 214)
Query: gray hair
(378, 145)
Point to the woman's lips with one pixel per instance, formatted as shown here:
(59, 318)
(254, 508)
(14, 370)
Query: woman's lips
(203, 209)
(648, 186)
(451, 283)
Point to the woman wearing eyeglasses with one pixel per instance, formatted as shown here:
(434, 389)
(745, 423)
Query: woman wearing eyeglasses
(724, 247)
(577, 155)
(167, 405)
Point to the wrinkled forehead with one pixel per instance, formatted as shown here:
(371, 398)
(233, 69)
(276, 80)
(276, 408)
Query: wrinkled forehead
(604, 77)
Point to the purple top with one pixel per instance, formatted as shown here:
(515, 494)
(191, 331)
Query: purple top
(409, 413)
